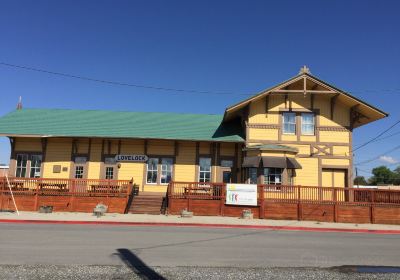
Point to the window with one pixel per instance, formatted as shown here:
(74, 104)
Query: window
(227, 163)
(152, 172)
(307, 124)
(289, 123)
(204, 170)
(109, 172)
(166, 170)
(36, 162)
(273, 176)
(22, 161)
(79, 172)
(253, 175)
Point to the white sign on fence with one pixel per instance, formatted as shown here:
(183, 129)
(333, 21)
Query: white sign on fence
(241, 194)
(131, 158)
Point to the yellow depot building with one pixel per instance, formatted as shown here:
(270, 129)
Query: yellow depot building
(296, 133)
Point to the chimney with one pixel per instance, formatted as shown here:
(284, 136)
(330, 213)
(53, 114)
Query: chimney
(19, 105)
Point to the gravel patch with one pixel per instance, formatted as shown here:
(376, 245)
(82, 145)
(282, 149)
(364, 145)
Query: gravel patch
(123, 272)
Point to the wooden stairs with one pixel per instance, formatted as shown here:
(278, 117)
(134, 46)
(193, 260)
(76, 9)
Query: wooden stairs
(148, 203)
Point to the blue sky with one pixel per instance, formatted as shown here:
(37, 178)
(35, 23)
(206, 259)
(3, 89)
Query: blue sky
(236, 46)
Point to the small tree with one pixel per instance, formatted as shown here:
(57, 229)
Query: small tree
(382, 175)
(360, 180)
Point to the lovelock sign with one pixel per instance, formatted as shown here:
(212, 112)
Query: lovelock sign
(131, 158)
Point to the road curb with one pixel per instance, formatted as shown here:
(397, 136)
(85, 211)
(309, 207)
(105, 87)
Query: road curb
(205, 225)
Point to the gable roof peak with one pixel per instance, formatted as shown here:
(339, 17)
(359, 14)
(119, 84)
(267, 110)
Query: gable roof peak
(304, 70)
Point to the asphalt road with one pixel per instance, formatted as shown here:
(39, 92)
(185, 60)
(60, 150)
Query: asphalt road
(147, 250)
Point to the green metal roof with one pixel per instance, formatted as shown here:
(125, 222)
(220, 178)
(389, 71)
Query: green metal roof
(91, 123)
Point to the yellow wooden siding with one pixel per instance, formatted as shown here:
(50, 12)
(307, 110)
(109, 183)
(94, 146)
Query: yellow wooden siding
(308, 138)
(341, 150)
(132, 147)
(155, 147)
(336, 162)
(28, 145)
(129, 170)
(263, 134)
(308, 174)
(341, 114)
(94, 170)
(58, 153)
(299, 101)
(334, 136)
(257, 111)
(288, 137)
(303, 149)
(227, 149)
(185, 166)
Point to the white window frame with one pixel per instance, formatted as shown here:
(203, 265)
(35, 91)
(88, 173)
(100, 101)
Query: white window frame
(76, 173)
(308, 124)
(200, 179)
(252, 171)
(152, 170)
(164, 168)
(112, 174)
(273, 171)
(37, 169)
(289, 123)
(21, 166)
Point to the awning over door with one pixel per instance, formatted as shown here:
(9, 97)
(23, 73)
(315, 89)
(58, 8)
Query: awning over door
(251, 162)
(277, 162)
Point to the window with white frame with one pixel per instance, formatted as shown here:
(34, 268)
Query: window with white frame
(253, 178)
(273, 176)
(36, 162)
(166, 170)
(307, 123)
(289, 123)
(109, 172)
(22, 162)
(79, 169)
(204, 169)
(152, 171)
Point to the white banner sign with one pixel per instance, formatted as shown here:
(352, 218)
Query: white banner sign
(241, 194)
(131, 158)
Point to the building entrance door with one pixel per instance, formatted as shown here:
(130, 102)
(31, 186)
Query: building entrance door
(226, 175)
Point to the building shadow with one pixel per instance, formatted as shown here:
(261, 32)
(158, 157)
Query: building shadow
(137, 265)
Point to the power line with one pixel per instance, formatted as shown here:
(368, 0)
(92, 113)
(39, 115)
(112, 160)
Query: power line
(376, 137)
(110, 82)
(119, 83)
(377, 157)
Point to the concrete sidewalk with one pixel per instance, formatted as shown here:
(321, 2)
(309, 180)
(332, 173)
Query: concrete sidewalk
(210, 221)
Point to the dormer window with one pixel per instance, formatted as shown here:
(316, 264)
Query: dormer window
(289, 123)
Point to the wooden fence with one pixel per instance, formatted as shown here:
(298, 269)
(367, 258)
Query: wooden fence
(72, 195)
(348, 205)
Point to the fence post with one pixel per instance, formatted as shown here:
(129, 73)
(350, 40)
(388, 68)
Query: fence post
(335, 210)
(222, 199)
(188, 196)
(262, 201)
(3, 187)
(72, 195)
(35, 207)
(299, 214)
(372, 207)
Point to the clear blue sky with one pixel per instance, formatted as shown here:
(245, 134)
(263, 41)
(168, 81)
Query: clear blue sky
(234, 46)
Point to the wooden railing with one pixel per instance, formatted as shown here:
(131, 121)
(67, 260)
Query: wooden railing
(77, 187)
(196, 190)
(282, 193)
